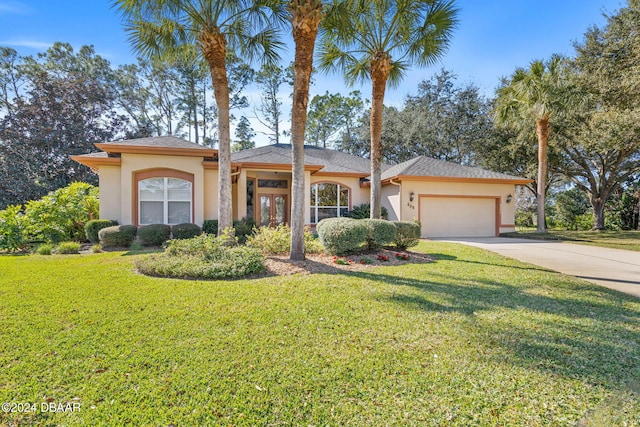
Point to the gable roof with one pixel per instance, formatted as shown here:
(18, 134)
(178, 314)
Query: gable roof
(324, 161)
(170, 145)
(430, 169)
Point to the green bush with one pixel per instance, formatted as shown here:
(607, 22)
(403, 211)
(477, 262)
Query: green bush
(92, 227)
(271, 240)
(341, 235)
(210, 226)
(154, 234)
(277, 240)
(185, 231)
(67, 248)
(12, 229)
(62, 214)
(379, 233)
(118, 236)
(363, 211)
(244, 228)
(203, 257)
(407, 233)
(45, 249)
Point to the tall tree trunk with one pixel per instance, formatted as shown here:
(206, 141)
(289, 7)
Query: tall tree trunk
(214, 48)
(380, 69)
(598, 205)
(542, 131)
(305, 19)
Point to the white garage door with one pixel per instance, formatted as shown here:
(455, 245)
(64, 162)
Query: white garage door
(457, 217)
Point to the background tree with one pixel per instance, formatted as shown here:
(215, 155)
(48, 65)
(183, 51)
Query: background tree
(601, 142)
(323, 119)
(63, 105)
(244, 136)
(158, 29)
(269, 113)
(378, 41)
(537, 94)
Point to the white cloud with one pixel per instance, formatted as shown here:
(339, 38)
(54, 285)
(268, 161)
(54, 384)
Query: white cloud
(14, 7)
(31, 44)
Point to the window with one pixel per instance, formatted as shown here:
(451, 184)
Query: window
(164, 200)
(328, 201)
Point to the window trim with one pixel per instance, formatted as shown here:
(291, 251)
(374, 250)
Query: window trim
(313, 208)
(159, 173)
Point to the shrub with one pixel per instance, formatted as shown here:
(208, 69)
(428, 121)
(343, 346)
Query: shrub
(154, 234)
(67, 248)
(407, 233)
(12, 229)
(45, 249)
(271, 240)
(118, 235)
(185, 231)
(62, 214)
(363, 211)
(92, 227)
(244, 228)
(341, 235)
(277, 240)
(379, 233)
(210, 226)
(205, 257)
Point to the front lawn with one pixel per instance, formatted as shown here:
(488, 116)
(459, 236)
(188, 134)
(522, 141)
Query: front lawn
(629, 240)
(470, 339)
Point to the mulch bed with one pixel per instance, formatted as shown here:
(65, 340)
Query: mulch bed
(321, 263)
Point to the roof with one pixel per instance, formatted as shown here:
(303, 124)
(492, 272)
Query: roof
(169, 145)
(327, 162)
(427, 168)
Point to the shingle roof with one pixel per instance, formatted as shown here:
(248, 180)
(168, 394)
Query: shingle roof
(424, 166)
(331, 160)
(159, 142)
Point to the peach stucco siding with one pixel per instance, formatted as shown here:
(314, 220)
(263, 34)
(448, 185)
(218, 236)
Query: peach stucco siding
(399, 204)
(110, 194)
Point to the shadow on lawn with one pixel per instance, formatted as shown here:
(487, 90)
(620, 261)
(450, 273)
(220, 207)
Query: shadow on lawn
(588, 334)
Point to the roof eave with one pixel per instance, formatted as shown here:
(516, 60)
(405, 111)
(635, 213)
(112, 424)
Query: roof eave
(169, 151)
(514, 181)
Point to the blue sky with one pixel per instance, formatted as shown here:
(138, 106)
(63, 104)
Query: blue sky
(493, 38)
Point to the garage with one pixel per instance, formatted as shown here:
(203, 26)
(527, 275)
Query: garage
(458, 216)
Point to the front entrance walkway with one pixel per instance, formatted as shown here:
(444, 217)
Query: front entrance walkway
(613, 268)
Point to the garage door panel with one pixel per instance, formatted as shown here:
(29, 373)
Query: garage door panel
(457, 217)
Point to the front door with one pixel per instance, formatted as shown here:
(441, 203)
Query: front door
(273, 209)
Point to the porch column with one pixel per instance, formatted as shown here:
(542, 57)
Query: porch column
(307, 197)
(241, 202)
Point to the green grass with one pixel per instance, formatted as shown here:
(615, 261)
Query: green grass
(470, 339)
(629, 240)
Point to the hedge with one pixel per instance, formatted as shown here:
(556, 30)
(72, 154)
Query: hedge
(92, 228)
(342, 235)
(379, 233)
(185, 231)
(118, 235)
(407, 233)
(154, 234)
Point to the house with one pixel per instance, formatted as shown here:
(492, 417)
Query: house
(170, 180)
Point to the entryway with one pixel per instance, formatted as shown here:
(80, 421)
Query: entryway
(272, 209)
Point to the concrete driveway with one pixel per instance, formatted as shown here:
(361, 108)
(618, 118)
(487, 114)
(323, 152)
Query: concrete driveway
(613, 268)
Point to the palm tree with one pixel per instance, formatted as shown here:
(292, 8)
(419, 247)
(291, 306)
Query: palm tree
(305, 17)
(158, 29)
(379, 40)
(537, 94)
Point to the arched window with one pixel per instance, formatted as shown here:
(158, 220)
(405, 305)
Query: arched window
(165, 200)
(328, 200)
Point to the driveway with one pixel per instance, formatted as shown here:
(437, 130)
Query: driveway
(613, 268)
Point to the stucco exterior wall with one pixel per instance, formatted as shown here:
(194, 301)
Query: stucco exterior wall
(210, 194)
(109, 191)
(410, 210)
(132, 163)
(391, 201)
